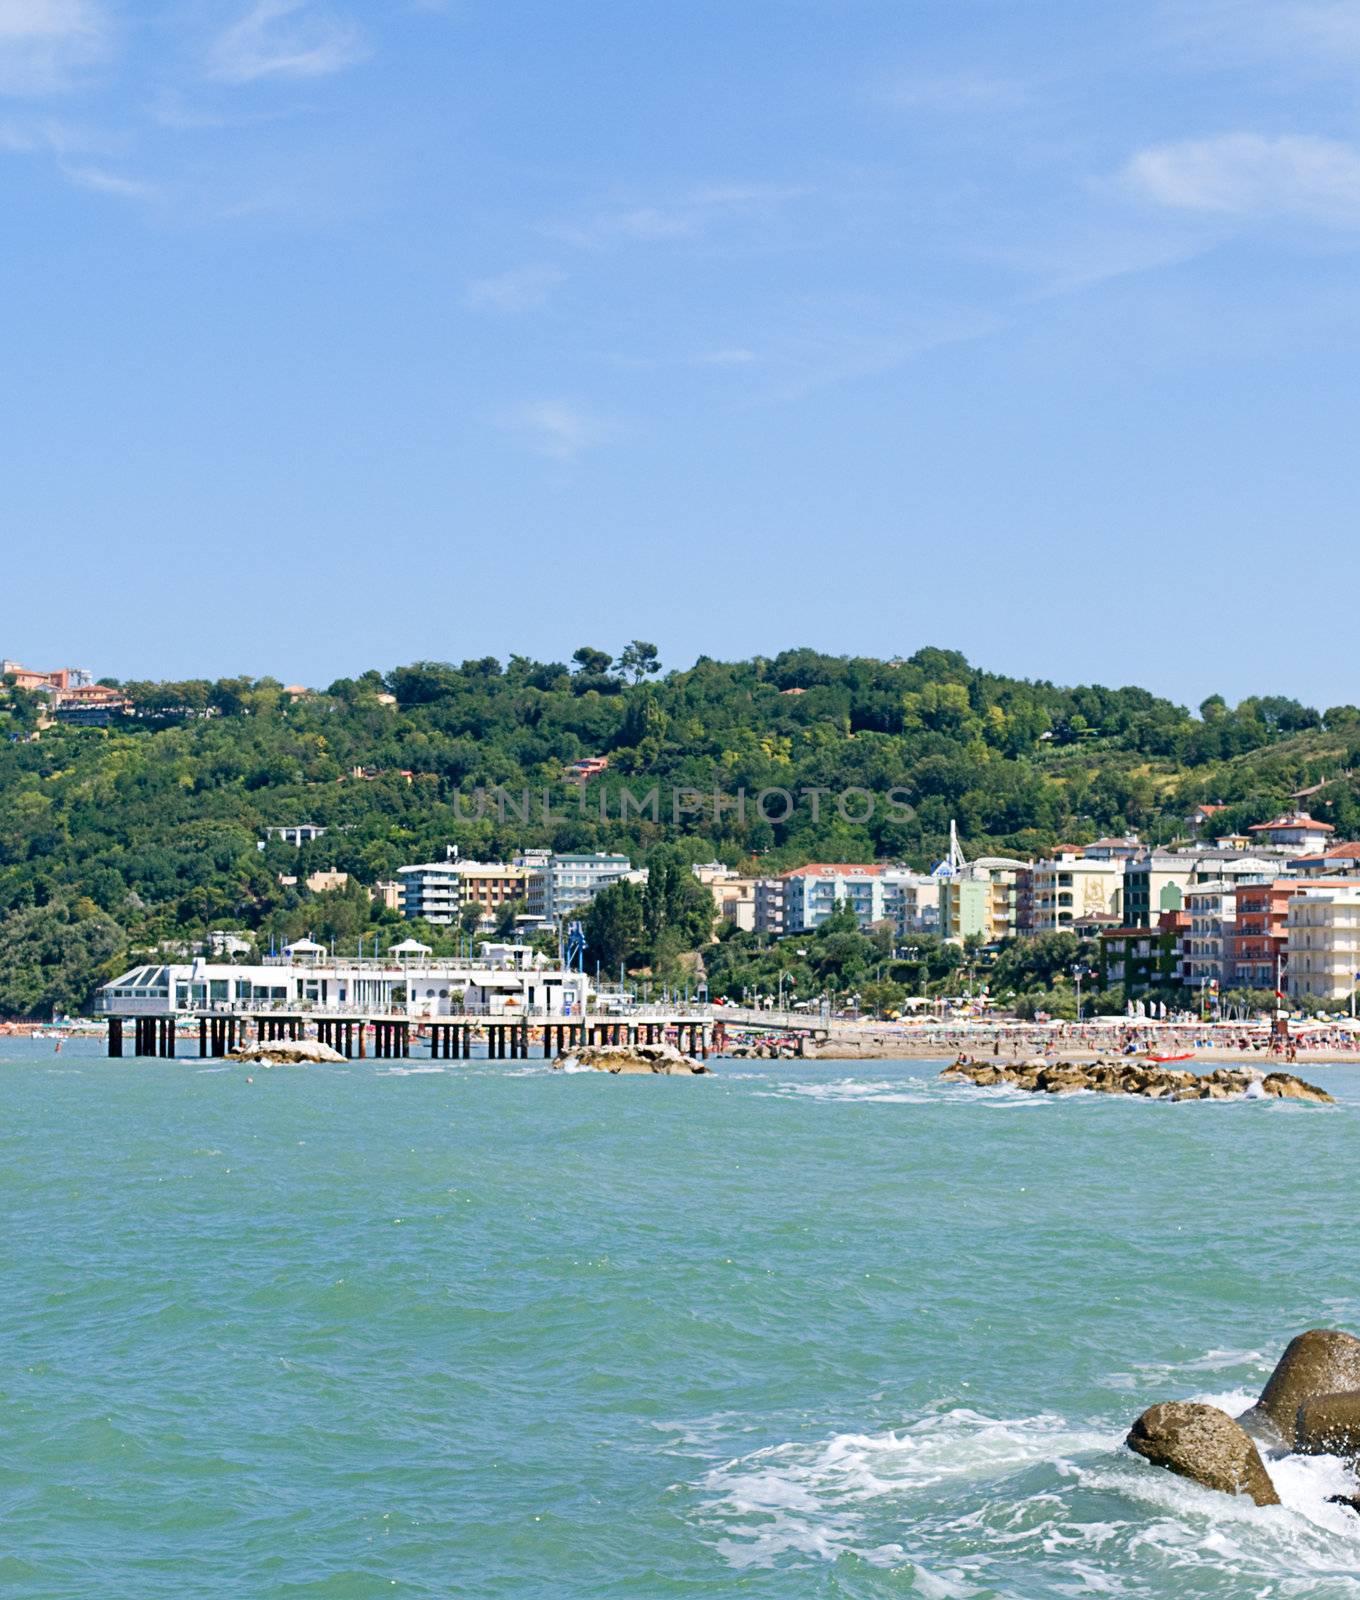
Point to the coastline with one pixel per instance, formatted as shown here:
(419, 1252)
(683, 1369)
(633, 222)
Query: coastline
(879, 1045)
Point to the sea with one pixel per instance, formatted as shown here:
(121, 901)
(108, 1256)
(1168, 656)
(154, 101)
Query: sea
(437, 1329)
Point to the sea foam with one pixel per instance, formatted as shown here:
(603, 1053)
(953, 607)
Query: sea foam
(973, 1504)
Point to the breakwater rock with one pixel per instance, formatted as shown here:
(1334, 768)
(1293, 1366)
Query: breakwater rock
(1310, 1406)
(661, 1060)
(1322, 1364)
(1131, 1075)
(287, 1053)
(1204, 1444)
(765, 1050)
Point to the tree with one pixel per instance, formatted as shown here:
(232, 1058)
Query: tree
(156, 819)
(51, 957)
(639, 660)
(505, 917)
(614, 926)
(674, 900)
(470, 916)
(594, 663)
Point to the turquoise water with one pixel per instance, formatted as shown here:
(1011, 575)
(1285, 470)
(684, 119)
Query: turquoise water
(789, 1331)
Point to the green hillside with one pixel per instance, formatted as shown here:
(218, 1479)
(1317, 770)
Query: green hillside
(117, 838)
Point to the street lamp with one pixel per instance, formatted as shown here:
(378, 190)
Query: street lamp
(1079, 972)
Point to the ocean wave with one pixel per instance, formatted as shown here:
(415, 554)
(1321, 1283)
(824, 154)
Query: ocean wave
(974, 1503)
(901, 1091)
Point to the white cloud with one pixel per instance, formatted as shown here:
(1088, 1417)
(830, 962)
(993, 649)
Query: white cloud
(521, 289)
(1246, 175)
(44, 43)
(110, 183)
(284, 39)
(685, 216)
(70, 150)
(557, 429)
(1325, 33)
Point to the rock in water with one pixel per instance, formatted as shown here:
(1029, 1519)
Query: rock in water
(1204, 1444)
(1135, 1077)
(660, 1059)
(1285, 1086)
(287, 1052)
(1330, 1425)
(1323, 1361)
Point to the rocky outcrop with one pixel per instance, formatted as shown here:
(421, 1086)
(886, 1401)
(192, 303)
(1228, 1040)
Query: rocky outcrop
(1329, 1426)
(1321, 1362)
(658, 1059)
(1204, 1444)
(1135, 1076)
(286, 1053)
(767, 1050)
(1310, 1406)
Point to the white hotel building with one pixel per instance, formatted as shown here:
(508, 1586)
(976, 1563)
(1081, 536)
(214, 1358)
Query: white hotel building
(1323, 933)
(503, 980)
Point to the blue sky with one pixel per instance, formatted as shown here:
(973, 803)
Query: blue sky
(338, 335)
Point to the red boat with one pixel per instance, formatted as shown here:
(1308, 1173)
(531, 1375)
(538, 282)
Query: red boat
(1165, 1061)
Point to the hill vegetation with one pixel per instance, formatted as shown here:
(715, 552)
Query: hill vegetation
(154, 830)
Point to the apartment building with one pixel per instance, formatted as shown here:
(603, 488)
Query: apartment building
(770, 906)
(492, 885)
(1256, 946)
(1296, 831)
(430, 890)
(1141, 960)
(734, 897)
(561, 886)
(982, 899)
(1212, 910)
(812, 894)
(1336, 860)
(911, 901)
(801, 899)
(1159, 880)
(1071, 887)
(1323, 933)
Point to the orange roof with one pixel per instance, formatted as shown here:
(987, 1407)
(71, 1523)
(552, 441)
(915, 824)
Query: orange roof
(1337, 852)
(1300, 819)
(839, 868)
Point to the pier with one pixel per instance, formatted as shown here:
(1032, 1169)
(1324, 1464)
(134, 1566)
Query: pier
(391, 1036)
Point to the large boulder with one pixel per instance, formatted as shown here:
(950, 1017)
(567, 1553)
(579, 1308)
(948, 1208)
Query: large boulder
(641, 1059)
(1204, 1444)
(1323, 1361)
(287, 1053)
(1285, 1086)
(1329, 1425)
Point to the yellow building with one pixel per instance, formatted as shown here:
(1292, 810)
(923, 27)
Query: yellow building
(980, 900)
(1072, 886)
(491, 885)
